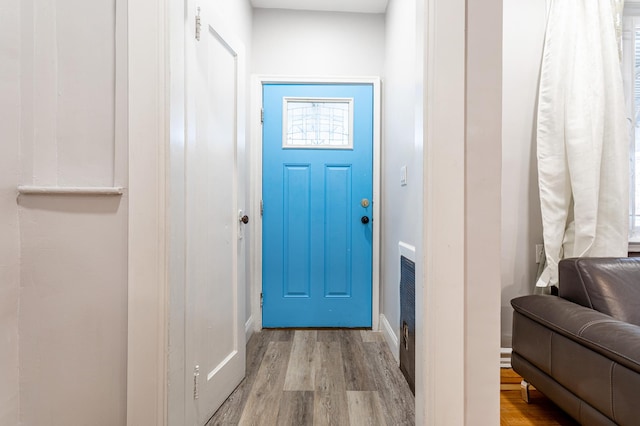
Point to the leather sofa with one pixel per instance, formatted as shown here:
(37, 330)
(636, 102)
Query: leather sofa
(582, 348)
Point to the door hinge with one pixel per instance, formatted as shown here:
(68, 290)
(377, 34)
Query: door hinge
(261, 208)
(196, 381)
(198, 24)
(261, 300)
(262, 115)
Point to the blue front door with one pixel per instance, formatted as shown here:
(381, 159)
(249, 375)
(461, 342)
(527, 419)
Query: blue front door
(317, 198)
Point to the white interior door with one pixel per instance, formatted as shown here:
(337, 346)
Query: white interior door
(215, 295)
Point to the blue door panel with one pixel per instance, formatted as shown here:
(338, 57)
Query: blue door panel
(296, 228)
(337, 232)
(317, 253)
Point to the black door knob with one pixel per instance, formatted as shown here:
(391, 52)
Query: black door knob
(365, 219)
(245, 219)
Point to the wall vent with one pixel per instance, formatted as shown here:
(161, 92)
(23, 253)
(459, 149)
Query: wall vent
(408, 320)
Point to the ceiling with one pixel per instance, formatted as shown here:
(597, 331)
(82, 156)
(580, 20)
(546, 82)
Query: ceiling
(360, 6)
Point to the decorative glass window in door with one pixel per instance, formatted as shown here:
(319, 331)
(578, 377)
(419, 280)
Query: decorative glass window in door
(317, 123)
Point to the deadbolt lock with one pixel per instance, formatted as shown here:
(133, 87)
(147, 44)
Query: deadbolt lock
(364, 203)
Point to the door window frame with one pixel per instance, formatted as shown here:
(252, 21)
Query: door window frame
(285, 122)
(631, 24)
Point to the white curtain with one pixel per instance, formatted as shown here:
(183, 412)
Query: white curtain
(582, 139)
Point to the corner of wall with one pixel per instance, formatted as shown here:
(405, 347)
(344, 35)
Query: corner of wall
(390, 337)
(521, 225)
(249, 329)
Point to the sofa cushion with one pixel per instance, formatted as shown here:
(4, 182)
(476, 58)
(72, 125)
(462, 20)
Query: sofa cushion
(608, 285)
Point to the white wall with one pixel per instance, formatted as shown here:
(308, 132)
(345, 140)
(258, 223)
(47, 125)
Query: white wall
(483, 146)
(9, 231)
(68, 92)
(300, 43)
(523, 38)
(402, 205)
(73, 311)
(73, 301)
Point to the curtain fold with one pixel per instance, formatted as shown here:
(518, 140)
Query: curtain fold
(582, 139)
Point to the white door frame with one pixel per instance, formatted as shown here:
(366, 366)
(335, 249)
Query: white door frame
(148, 89)
(256, 186)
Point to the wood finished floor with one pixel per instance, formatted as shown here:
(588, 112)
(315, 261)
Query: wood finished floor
(539, 412)
(319, 377)
(346, 377)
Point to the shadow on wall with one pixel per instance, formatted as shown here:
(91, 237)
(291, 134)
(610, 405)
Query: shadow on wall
(80, 204)
(530, 218)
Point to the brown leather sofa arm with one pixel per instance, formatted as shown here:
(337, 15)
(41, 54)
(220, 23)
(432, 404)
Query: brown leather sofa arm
(606, 284)
(616, 340)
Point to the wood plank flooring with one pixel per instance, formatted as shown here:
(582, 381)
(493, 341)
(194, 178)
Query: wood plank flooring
(346, 377)
(319, 377)
(539, 412)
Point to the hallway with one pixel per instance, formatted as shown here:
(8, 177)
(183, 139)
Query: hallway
(109, 250)
(319, 377)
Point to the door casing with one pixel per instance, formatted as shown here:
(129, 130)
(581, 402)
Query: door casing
(255, 321)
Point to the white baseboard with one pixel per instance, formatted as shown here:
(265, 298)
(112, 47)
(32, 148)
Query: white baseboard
(391, 337)
(505, 357)
(248, 328)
